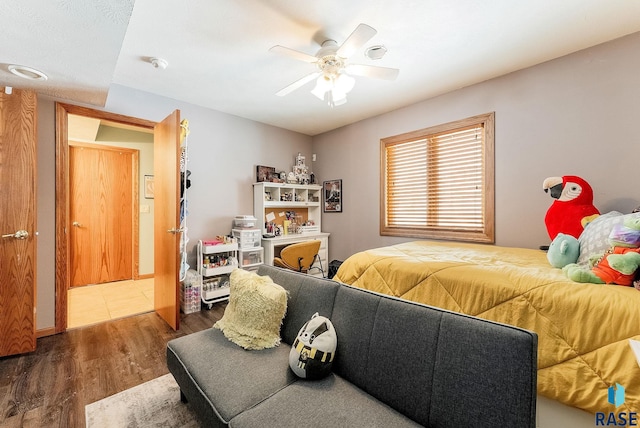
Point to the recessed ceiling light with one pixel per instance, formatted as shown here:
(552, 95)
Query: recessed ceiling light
(27, 72)
(375, 52)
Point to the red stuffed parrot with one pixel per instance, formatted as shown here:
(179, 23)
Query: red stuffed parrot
(573, 206)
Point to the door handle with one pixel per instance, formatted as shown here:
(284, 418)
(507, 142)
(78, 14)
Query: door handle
(174, 230)
(76, 224)
(20, 234)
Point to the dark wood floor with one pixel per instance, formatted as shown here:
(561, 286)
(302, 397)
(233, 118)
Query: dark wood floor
(51, 386)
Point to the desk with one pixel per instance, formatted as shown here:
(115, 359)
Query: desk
(272, 247)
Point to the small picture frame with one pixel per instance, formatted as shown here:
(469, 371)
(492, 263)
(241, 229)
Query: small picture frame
(264, 173)
(332, 191)
(149, 183)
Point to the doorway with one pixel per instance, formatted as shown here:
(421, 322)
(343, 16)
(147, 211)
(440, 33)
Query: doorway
(94, 132)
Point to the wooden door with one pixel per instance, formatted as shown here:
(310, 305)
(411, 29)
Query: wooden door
(101, 212)
(17, 222)
(166, 159)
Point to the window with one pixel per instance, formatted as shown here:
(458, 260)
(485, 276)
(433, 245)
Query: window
(439, 182)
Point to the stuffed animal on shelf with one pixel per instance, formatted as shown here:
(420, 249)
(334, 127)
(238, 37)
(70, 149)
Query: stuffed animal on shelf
(312, 353)
(573, 206)
(564, 250)
(619, 264)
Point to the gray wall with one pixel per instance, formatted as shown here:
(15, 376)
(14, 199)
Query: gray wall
(576, 115)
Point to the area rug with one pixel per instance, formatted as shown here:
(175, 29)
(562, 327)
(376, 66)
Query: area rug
(152, 404)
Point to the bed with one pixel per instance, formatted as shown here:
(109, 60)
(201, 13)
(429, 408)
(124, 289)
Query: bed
(583, 329)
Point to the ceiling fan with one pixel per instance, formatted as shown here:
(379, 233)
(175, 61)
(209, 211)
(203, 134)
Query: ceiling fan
(333, 78)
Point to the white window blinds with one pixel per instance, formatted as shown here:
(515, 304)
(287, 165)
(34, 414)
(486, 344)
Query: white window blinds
(437, 183)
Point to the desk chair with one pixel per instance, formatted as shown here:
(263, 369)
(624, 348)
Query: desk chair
(299, 257)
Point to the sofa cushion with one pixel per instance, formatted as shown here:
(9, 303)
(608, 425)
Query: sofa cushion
(255, 310)
(329, 402)
(314, 349)
(220, 379)
(488, 369)
(387, 347)
(306, 295)
(429, 363)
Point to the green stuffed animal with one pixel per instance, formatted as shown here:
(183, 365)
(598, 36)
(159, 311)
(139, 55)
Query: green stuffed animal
(564, 250)
(619, 264)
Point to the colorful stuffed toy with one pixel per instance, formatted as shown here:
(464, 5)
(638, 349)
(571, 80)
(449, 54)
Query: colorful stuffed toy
(573, 206)
(312, 353)
(619, 264)
(564, 250)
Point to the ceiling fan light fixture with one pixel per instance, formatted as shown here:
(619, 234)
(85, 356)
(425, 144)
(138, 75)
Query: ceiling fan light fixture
(333, 74)
(344, 83)
(335, 98)
(338, 97)
(323, 85)
(332, 89)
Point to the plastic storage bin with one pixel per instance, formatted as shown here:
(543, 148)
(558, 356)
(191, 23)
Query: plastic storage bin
(250, 258)
(247, 238)
(190, 293)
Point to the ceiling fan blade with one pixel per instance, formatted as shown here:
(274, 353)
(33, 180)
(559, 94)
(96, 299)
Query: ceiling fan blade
(373, 71)
(297, 84)
(361, 35)
(293, 53)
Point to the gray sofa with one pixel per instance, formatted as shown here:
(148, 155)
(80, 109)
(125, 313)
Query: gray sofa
(397, 364)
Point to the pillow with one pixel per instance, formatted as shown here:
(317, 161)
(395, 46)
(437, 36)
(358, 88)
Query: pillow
(594, 240)
(314, 349)
(255, 311)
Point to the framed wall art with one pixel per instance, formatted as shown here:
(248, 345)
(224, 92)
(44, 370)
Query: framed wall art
(332, 191)
(264, 173)
(149, 192)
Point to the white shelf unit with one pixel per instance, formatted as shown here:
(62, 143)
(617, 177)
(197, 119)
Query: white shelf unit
(215, 263)
(305, 200)
(278, 197)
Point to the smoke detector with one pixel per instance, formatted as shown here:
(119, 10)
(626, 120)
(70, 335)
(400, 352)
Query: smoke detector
(159, 63)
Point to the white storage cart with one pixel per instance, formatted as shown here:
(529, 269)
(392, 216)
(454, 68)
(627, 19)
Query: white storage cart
(215, 262)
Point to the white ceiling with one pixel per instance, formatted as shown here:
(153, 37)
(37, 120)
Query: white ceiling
(218, 50)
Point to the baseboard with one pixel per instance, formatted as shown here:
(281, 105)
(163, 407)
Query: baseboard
(50, 331)
(145, 276)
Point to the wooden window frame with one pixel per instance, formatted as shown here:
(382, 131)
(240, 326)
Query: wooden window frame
(483, 234)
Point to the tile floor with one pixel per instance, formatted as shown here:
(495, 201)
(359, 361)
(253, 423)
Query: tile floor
(97, 303)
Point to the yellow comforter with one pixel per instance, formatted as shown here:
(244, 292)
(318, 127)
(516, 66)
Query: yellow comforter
(583, 329)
